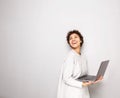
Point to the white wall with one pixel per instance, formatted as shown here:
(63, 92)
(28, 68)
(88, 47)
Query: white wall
(33, 44)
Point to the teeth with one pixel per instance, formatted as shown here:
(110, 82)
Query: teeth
(74, 43)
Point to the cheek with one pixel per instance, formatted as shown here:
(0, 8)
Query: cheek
(70, 43)
(78, 39)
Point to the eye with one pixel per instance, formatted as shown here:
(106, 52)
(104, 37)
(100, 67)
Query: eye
(76, 36)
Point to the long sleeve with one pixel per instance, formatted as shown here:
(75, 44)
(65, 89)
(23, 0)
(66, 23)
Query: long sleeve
(68, 73)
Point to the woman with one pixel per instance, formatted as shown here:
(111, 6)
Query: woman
(74, 66)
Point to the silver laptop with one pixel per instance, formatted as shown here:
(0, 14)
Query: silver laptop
(100, 72)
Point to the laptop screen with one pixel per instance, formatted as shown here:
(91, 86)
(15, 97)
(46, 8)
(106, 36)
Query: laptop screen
(102, 68)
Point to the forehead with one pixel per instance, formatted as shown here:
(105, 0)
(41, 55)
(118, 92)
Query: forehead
(74, 34)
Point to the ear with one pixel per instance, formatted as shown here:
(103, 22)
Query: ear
(80, 41)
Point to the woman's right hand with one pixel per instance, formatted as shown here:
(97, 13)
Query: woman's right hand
(87, 83)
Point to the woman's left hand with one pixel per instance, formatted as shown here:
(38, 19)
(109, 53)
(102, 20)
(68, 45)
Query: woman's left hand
(98, 80)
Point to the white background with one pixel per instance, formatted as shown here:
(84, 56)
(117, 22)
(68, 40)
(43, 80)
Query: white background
(33, 44)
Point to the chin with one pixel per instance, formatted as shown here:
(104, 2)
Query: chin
(73, 47)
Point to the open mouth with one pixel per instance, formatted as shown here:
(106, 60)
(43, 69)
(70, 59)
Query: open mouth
(74, 42)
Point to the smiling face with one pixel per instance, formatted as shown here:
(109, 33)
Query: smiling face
(74, 41)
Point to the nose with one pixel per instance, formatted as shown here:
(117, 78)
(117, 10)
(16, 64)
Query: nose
(73, 39)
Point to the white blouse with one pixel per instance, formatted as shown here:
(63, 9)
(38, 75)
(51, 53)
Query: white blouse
(74, 66)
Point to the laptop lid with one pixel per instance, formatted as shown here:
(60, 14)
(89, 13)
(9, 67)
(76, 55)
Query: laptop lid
(102, 68)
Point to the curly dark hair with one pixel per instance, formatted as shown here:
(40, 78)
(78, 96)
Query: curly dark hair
(75, 32)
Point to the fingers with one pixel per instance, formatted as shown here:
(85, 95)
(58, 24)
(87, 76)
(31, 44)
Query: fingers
(100, 78)
(97, 81)
(88, 83)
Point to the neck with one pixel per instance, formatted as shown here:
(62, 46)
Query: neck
(77, 50)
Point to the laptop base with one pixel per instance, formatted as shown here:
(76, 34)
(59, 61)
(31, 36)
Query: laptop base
(87, 78)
